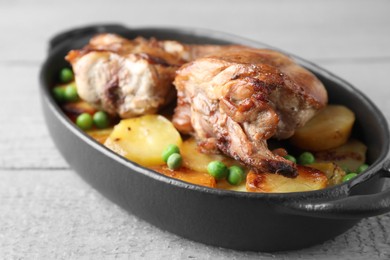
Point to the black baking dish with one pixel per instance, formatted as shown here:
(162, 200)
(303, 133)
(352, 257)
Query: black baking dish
(243, 221)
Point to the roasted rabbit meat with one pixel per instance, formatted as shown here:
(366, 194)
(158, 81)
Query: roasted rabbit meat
(130, 77)
(124, 77)
(231, 98)
(233, 101)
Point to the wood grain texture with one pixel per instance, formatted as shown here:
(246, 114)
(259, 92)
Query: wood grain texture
(47, 212)
(312, 29)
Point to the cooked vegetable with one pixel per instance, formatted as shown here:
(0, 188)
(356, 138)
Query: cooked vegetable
(76, 108)
(84, 121)
(290, 158)
(348, 156)
(59, 93)
(351, 155)
(217, 169)
(306, 158)
(362, 168)
(188, 175)
(329, 129)
(171, 149)
(143, 139)
(100, 135)
(198, 161)
(174, 161)
(332, 171)
(235, 175)
(308, 179)
(66, 75)
(349, 176)
(70, 93)
(225, 185)
(101, 119)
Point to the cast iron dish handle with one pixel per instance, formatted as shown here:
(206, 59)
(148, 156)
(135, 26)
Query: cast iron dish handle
(350, 207)
(93, 29)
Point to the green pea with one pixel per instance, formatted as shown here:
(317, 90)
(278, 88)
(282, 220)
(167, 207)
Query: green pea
(59, 94)
(362, 168)
(171, 149)
(174, 161)
(306, 158)
(101, 119)
(235, 175)
(84, 121)
(66, 75)
(71, 93)
(290, 158)
(346, 169)
(349, 176)
(217, 169)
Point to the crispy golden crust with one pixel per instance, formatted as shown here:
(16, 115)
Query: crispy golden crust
(307, 179)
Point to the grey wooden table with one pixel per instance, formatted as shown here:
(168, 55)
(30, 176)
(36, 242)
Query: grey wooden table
(47, 212)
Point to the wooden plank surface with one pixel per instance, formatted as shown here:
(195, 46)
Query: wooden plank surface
(47, 212)
(330, 29)
(49, 215)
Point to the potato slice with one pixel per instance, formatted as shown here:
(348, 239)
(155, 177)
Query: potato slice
(308, 179)
(143, 139)
(329, 129)
(348, 156)
(198, 161)
(224, 185)
(188, 175)
(100, 135)
(333, 172)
